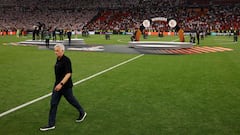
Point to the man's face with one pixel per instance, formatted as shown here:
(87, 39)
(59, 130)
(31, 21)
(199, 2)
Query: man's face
(59, 52)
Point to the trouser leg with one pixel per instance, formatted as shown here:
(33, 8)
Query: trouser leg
(68, 94)
(56, 96)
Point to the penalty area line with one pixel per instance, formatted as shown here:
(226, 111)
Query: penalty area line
(76, 83)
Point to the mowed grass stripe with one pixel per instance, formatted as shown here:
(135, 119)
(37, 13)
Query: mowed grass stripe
(157, 94)
(76, 83)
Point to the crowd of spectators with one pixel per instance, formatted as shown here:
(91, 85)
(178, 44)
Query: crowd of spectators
(118, 14)
(27, 18)
(208, 18)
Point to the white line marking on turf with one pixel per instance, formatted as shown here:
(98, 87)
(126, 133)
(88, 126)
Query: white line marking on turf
(76, 83)
(23, 105)
(120, 40)
(106, 70)
(175, 40)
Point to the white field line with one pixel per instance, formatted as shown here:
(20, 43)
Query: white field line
(175, 40)
(76, 83)
(120, 40)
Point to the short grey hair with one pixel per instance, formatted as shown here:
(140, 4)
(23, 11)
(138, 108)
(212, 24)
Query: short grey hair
(60, 46)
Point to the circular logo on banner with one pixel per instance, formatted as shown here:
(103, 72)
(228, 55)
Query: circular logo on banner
(146, 23)
(172, 23)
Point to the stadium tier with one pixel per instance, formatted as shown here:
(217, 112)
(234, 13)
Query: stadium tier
(117, 15)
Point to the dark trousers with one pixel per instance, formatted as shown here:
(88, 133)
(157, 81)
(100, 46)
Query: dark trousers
(56, 96)
(69, 40)
(47, 43)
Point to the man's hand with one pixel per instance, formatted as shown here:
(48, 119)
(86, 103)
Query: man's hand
(58, 87)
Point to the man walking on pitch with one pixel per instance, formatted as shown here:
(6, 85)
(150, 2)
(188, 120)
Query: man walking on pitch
(63, 86)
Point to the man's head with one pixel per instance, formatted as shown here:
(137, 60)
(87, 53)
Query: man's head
(59, 50)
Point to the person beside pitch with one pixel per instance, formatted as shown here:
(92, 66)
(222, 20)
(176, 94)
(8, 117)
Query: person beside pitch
(63, 86)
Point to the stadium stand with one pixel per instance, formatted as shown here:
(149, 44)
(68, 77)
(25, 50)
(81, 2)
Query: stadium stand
(118, 15)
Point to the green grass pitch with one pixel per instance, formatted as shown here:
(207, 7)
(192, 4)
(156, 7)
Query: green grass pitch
(195, 94)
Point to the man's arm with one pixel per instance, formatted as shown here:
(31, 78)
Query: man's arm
(64, 80)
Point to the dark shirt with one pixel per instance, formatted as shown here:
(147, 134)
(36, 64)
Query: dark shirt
(69, 34)
(62, 67)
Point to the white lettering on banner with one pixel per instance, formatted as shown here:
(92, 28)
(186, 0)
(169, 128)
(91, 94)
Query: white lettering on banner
(159, 19)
